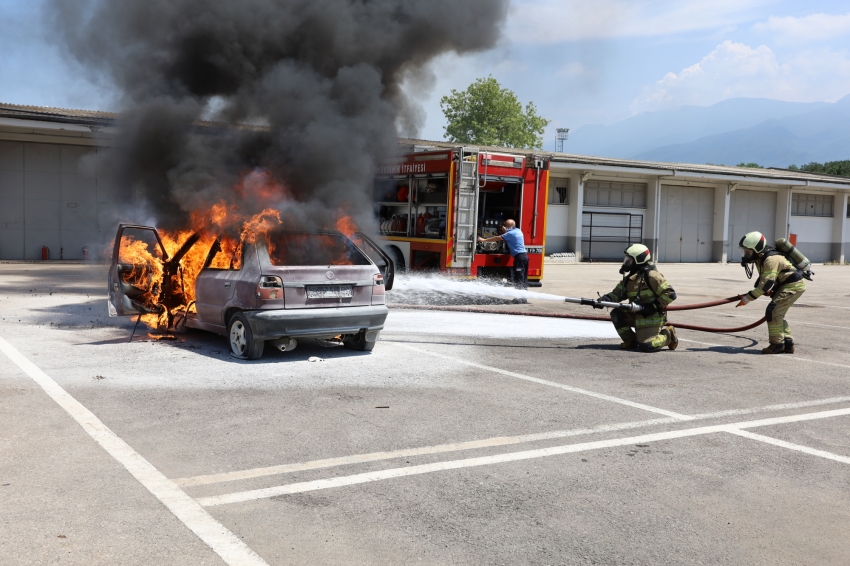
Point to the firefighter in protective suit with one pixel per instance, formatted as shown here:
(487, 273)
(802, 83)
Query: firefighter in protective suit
(779, 280)
(642, 284)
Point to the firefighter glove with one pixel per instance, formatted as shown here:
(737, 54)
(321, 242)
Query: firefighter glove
(744, 300)
(596, 304)
(650, 309)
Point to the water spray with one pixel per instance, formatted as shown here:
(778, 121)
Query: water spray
(408, 285)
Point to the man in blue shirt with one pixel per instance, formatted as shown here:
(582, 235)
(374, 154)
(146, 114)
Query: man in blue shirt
(516, 244)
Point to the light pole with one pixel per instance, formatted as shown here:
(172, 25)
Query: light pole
(562, 135)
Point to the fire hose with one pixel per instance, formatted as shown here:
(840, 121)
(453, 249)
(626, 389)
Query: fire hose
(624, 306)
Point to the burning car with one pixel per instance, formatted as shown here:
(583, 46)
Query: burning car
(271, 286)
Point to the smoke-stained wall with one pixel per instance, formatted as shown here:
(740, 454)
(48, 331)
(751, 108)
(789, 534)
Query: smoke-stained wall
(323, 78)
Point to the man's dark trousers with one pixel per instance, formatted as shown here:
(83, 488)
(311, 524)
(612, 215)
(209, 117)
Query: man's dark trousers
(520, 271)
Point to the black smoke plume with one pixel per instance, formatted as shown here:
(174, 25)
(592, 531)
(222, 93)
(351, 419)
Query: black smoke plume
(315, 85)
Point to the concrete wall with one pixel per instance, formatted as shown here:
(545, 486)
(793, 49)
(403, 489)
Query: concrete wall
(557, 228)
(558, 215)
(51, 194)
(814, 236)
(840, 228)
(720, 225)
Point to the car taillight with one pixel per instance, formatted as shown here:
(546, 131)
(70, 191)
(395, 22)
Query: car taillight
(270, 287)
(378, 290)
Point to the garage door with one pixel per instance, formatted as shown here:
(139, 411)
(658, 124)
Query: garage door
(750, 211)
(49, 198)
(685, 224)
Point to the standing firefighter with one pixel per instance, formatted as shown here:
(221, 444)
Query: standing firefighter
(780, 280)
(644, 285)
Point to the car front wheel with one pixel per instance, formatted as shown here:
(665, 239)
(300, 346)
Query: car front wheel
(242, 343)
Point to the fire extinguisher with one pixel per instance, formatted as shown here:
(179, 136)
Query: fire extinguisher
(85, 253)
(420, 224)
(45, 253)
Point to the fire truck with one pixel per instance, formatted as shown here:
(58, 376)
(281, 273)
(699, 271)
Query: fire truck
(432, 205)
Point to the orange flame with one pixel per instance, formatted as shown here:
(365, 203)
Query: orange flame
(346, 225)
(147, 264)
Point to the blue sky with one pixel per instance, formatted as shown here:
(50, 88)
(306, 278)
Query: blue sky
(580, 61)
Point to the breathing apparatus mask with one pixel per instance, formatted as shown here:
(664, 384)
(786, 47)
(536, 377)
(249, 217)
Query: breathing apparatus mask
(752, 244)
(634, 258)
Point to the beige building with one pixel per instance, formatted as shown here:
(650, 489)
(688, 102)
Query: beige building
(692, 213)
(53, 195)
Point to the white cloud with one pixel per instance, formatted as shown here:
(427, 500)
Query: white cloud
(556, 21)
(738, 70)
(814, 27)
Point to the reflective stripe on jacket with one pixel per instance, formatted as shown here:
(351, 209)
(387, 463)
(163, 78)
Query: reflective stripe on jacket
(774, 271)
(634, 289)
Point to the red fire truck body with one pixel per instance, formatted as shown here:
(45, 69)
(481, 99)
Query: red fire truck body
(431, 207)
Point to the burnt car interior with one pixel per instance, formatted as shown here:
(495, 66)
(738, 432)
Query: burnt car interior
(298, 249)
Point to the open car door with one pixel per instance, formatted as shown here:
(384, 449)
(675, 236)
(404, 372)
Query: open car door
(378, 256)
(136, 271)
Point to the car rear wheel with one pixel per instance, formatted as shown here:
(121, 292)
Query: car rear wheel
(242, 343)
(359, 342)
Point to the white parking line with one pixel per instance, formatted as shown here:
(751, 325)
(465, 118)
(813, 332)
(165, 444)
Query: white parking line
(223, 542)
(791, 446)
(315, 485)
(578, 390)
(476, 444)
(769, 408)
(406, 453)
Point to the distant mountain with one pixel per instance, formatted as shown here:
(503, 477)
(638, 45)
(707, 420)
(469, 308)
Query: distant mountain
(768, 132)
(820, 135)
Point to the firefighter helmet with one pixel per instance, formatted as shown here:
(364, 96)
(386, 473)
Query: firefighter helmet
(752, 244)
(636, 255)
(753, 241)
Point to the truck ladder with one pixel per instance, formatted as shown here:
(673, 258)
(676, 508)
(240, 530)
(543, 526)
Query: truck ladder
(466, 203)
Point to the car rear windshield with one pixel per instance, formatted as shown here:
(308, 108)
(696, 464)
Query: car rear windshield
(286, 249)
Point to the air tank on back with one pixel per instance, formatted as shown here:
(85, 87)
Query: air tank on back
(797, 258)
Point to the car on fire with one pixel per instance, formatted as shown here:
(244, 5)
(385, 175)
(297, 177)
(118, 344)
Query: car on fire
(270, 288)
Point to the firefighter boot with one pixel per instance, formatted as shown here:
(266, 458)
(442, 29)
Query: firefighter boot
(628, 345)
(789, 345)
(774, 349)
(674, 340)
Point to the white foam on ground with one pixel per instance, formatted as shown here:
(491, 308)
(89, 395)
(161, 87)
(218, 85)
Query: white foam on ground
(493, 325)
(414, 285)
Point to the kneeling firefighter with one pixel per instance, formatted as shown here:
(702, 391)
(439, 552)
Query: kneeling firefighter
(643, 285)
(780, 280)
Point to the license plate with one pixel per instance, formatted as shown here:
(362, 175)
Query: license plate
(329, 292)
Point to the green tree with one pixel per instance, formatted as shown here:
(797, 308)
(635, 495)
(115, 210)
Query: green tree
(487, 114)
(841, 168)
(750, 165)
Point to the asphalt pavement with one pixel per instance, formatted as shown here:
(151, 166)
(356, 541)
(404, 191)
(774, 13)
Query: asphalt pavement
(461, 439)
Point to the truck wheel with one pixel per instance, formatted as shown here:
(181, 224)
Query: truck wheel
(358, 342)
(242, 343)
(397, 257)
